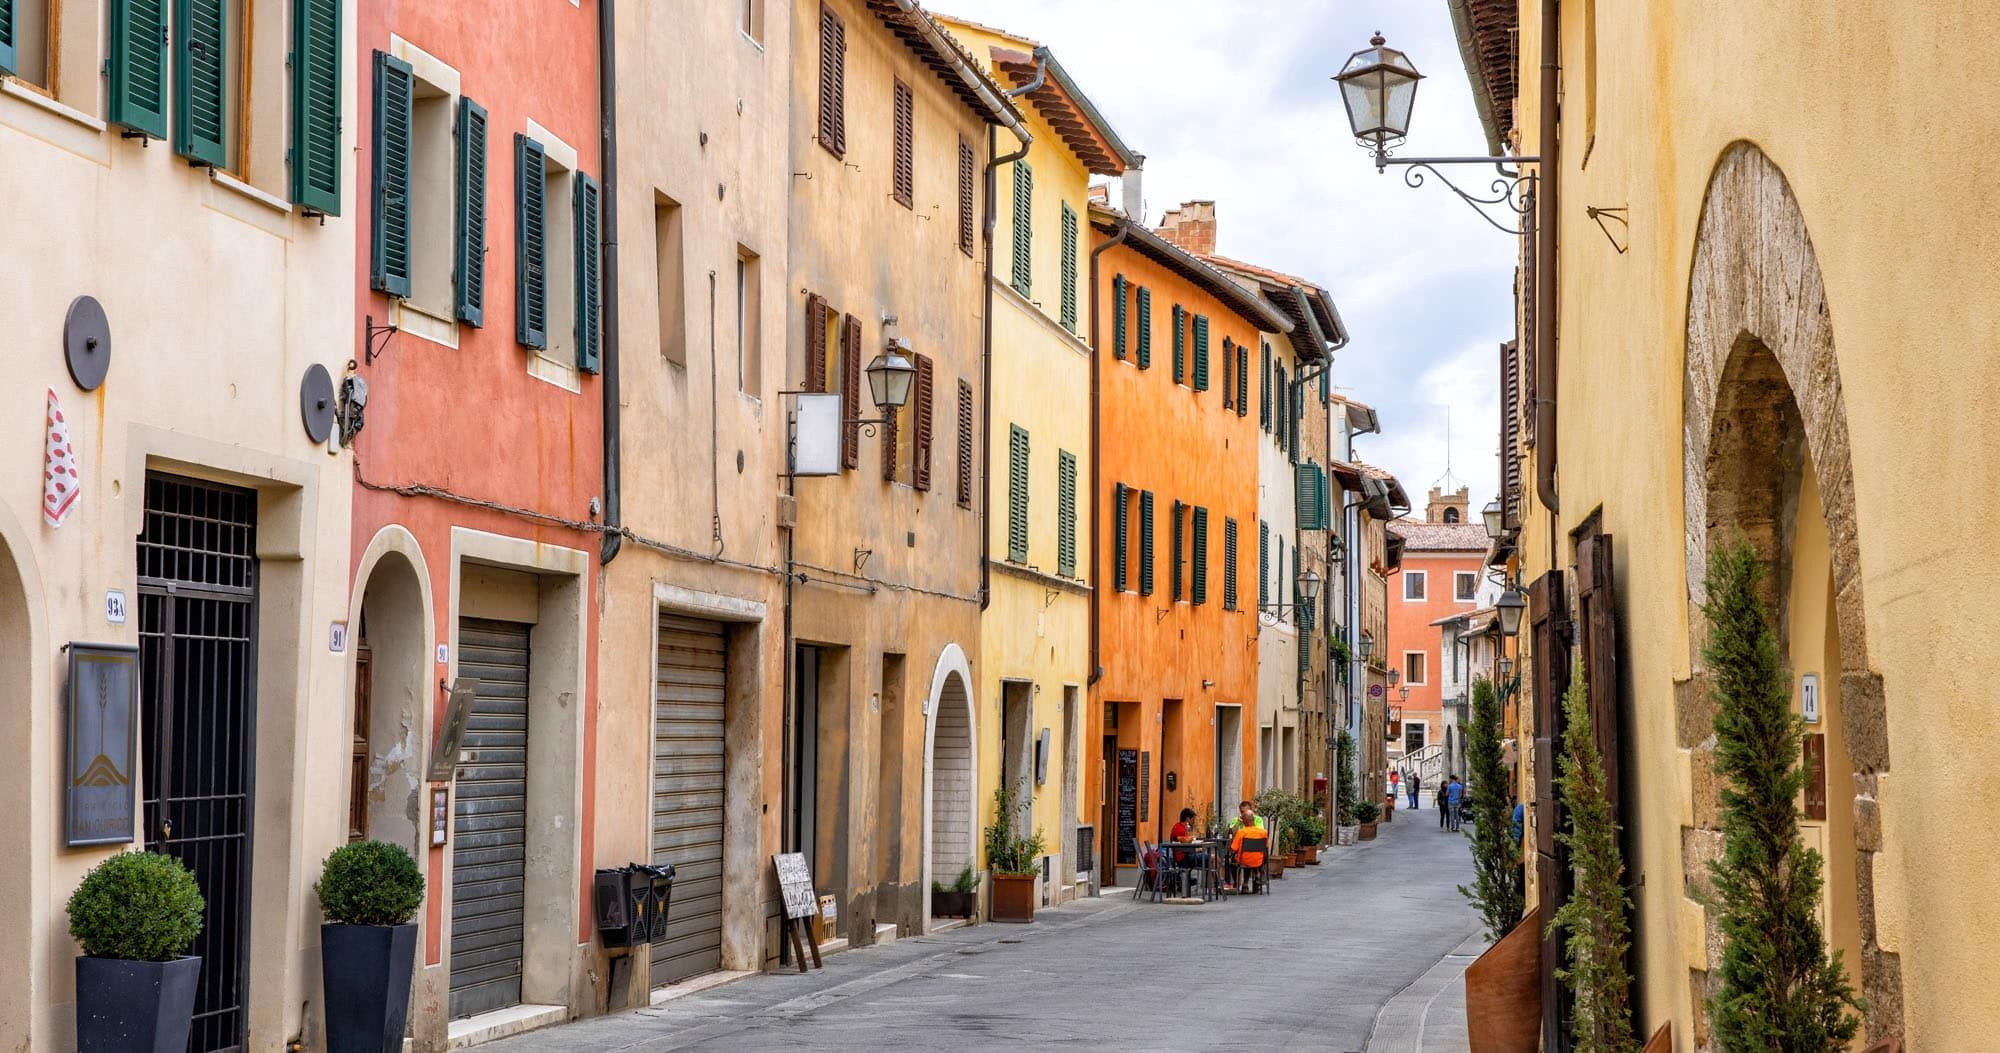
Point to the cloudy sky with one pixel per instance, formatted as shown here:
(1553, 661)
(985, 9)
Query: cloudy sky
(1232, 101)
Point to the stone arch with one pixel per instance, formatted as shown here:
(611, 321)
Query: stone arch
(391, 617)
(34, 719)
(951, 777)
(1762, 399)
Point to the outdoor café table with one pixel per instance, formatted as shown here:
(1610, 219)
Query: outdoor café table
(1210, 888)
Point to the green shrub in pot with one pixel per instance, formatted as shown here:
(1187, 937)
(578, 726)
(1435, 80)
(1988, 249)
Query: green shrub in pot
(137, 907)
(370, 883)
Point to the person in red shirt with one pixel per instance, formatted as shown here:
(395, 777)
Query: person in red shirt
(1182, 831)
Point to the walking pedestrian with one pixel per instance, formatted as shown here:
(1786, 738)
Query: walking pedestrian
(1443, 806)
(1415, 784)
(1453, 794)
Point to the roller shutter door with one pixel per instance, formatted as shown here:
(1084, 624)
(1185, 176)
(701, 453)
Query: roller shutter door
(687, 794)
(490, 820)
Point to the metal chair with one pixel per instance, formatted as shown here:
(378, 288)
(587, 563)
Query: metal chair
(1261, 847)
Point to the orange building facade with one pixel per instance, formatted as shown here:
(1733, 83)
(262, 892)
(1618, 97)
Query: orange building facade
(1440, 575)
(1174, 624)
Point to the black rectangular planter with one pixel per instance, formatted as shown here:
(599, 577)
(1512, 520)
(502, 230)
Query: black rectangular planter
(366, 972)
(954, 904)
(135, 1007)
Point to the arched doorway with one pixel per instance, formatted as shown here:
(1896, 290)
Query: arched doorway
(19, 644)
(951, 775)
(393, 662)
(1766, 459)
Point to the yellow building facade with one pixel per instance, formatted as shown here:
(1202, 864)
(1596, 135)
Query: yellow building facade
(1034, 667)
(1761, 337)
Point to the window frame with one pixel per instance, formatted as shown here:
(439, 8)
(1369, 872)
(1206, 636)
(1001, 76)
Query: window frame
(1421, 580)
(1461, 594)
(1424, 669)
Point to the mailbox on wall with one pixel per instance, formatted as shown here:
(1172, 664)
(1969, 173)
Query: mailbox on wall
(630, 903)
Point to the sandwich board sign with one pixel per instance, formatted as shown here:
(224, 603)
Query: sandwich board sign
(795, 884)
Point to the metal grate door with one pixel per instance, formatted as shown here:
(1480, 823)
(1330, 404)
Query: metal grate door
(687, 794)
(490, 820)
(197, 652)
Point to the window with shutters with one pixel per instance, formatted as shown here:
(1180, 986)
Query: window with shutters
(850, 392)
(1228, 373)
(1145, 542)
(1201, 352)
(1024, 229)
(27, 39)
(1415, 668)
(820, 333)
(1120, 531)
(1242, 381)
(558, 268)
(966, 219)
(1069, 250)
(1281, 405)
(1180, 344)
(1198, 563)
(905, 163)
(1510, 434)
(315, 157)
(923, 423)
(1264, 390)
(428, 210)
(1180, 546)
(1228, 564)
(1118, 288)
(1263, 564)
(1142, 352)
(1017, 493)
(832, 132)
(965, 444)
(670, 278)
(207, 45)
(1066, 513)
(749, 323)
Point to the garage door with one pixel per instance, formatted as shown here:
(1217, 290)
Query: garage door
(490, 820)
(687, 794)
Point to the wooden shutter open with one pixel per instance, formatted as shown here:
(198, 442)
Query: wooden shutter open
(589, 275)
(891, 439)
(1263, 564)
(531, 292)
(1017, 493)
(832, 82)
(1264, 395)
(1142, 352)
(1179, 545)
(469, 218)
(965, 216)
(1530, 255)
(1597, 622)
(1180, 344)
(964, 444)
(817, 320)
(1120, 528)
(1228, 373)
(923, 424)
(1066, 513)
(1145, 544)
(1549, 625)
(1228, 564)
(1242, 381)
(1201, 352)
(1118, 316)
(316, 157)
(1024, 229)
(1199, 592)
(850, 392)
(139, 66)
(389, 256)
(201, 84)
(1069, 239)
(906, 147)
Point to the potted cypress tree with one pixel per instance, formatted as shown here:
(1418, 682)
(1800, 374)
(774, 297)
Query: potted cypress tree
(960, 900)
(1346, 828)
(1013, 860)
(1503, 991)
(135, 914)
(369, 891)
(1595, 933)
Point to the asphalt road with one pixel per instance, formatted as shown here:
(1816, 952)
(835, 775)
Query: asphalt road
(1361, 953)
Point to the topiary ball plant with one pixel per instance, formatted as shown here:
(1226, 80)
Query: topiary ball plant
(370, 883)
(137, 907)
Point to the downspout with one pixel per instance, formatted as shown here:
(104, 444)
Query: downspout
(992, 225)
(1546, 213)
(1097, 461)
(607, 101)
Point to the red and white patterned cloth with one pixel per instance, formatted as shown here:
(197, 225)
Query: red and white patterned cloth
(60, 483)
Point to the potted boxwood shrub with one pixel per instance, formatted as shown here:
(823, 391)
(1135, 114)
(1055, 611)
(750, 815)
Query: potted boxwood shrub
(1013, 860)
(1312, 831)
(1364, 815)
(135, 914)
(369, 891)
(961, 900)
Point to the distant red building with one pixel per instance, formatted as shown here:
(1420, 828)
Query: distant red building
(1439, 577)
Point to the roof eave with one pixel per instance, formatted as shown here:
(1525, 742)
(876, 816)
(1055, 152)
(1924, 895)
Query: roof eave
(1089, 108)
(1482, 92)
(1249, 306)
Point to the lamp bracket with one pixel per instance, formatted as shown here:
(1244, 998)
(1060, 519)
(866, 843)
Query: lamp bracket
(1616, 215)
(370, 331)
(1508, 190)
(867, 425)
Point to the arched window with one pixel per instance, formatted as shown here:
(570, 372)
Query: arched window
(1451, 515)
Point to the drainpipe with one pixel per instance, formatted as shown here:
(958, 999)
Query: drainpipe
(1546, 213)
(607, 101)
(992, 224)
(1096, 461)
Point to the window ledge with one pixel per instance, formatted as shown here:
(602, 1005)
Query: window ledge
(229, 182)
(19, 89)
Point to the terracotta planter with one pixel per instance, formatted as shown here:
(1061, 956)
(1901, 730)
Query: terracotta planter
(1298, 857)
(1503, 991)
(1311, 853)
(1388, 807)
(1013, 897)
(1367, 832)
(1274, 866)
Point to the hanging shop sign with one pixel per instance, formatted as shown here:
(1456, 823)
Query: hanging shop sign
(103, 707)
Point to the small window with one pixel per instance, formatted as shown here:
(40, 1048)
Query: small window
(1465, 585)
(749, 297)
(1414, 668)
(433, 157)
(750, 19)
(1415, 734)
(670, 269)
(28, 41)
(1415, 585)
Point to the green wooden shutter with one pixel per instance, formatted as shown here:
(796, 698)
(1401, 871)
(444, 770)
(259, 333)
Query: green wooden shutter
(1263, 564)
(589, 201)
(1179, 518)
(1118, 316)
(1199, 592)
(1325, 385)
(316, 157)
(1281, 411)
(1228, 564)
(1228, 368)
(1310, 492)
(389, 258)
(531, 235)
(1279, 578)
(1242, 381)
(9, 42)
(1120, 526)
(201, 93)
(1066, 513)
(1201, 352)
(469, 233)
(1017, 494)
(1069, 236)
(1024, 230)
(1264, 394)
(139, 68)
(1180, 344)
(1145, 543)
(1144, 350)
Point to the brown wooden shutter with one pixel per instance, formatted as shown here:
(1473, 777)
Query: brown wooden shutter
(1510, 434)
(1597, 620)
(964, 444)
(817, 318)
(1548, 615)
(920, 439)
(891, 433)
(1529, 255)
(850, 393)
(832, 81)
(965, 173)
(905, 163)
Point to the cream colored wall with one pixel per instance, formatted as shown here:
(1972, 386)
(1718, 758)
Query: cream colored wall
(1277, 505)
(1904, 249)
(219, 298)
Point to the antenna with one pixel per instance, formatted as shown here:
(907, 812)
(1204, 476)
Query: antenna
(1449, 482)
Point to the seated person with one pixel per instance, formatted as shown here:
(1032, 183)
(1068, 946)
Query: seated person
(1184, 830)
(1183, 833)
(1247, 816)
(1248, 859)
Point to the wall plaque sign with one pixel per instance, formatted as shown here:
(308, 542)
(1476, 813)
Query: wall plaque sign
(1809, 697)
(99, 801)
(457, 713)
(440, 815)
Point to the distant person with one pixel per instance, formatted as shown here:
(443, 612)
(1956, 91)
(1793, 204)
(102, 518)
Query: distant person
(1415, 784)
(1395, 791)
(1439, 796)
(1519, 815)
(1454, 793)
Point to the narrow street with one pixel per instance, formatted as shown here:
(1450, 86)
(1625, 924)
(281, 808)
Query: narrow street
(1314, 965)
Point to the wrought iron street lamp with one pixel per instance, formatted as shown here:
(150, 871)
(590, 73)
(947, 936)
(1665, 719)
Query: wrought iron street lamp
(1378, 84)
(1504, 666)
(1510, 605)
(1495, 524)
(890, 376)
(1308, 592)
(1366, 647)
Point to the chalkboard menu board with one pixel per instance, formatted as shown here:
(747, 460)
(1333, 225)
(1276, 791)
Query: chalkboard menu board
(796, 884)
(1128, 806)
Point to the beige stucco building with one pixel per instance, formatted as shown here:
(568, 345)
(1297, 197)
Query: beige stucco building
(221, 290)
